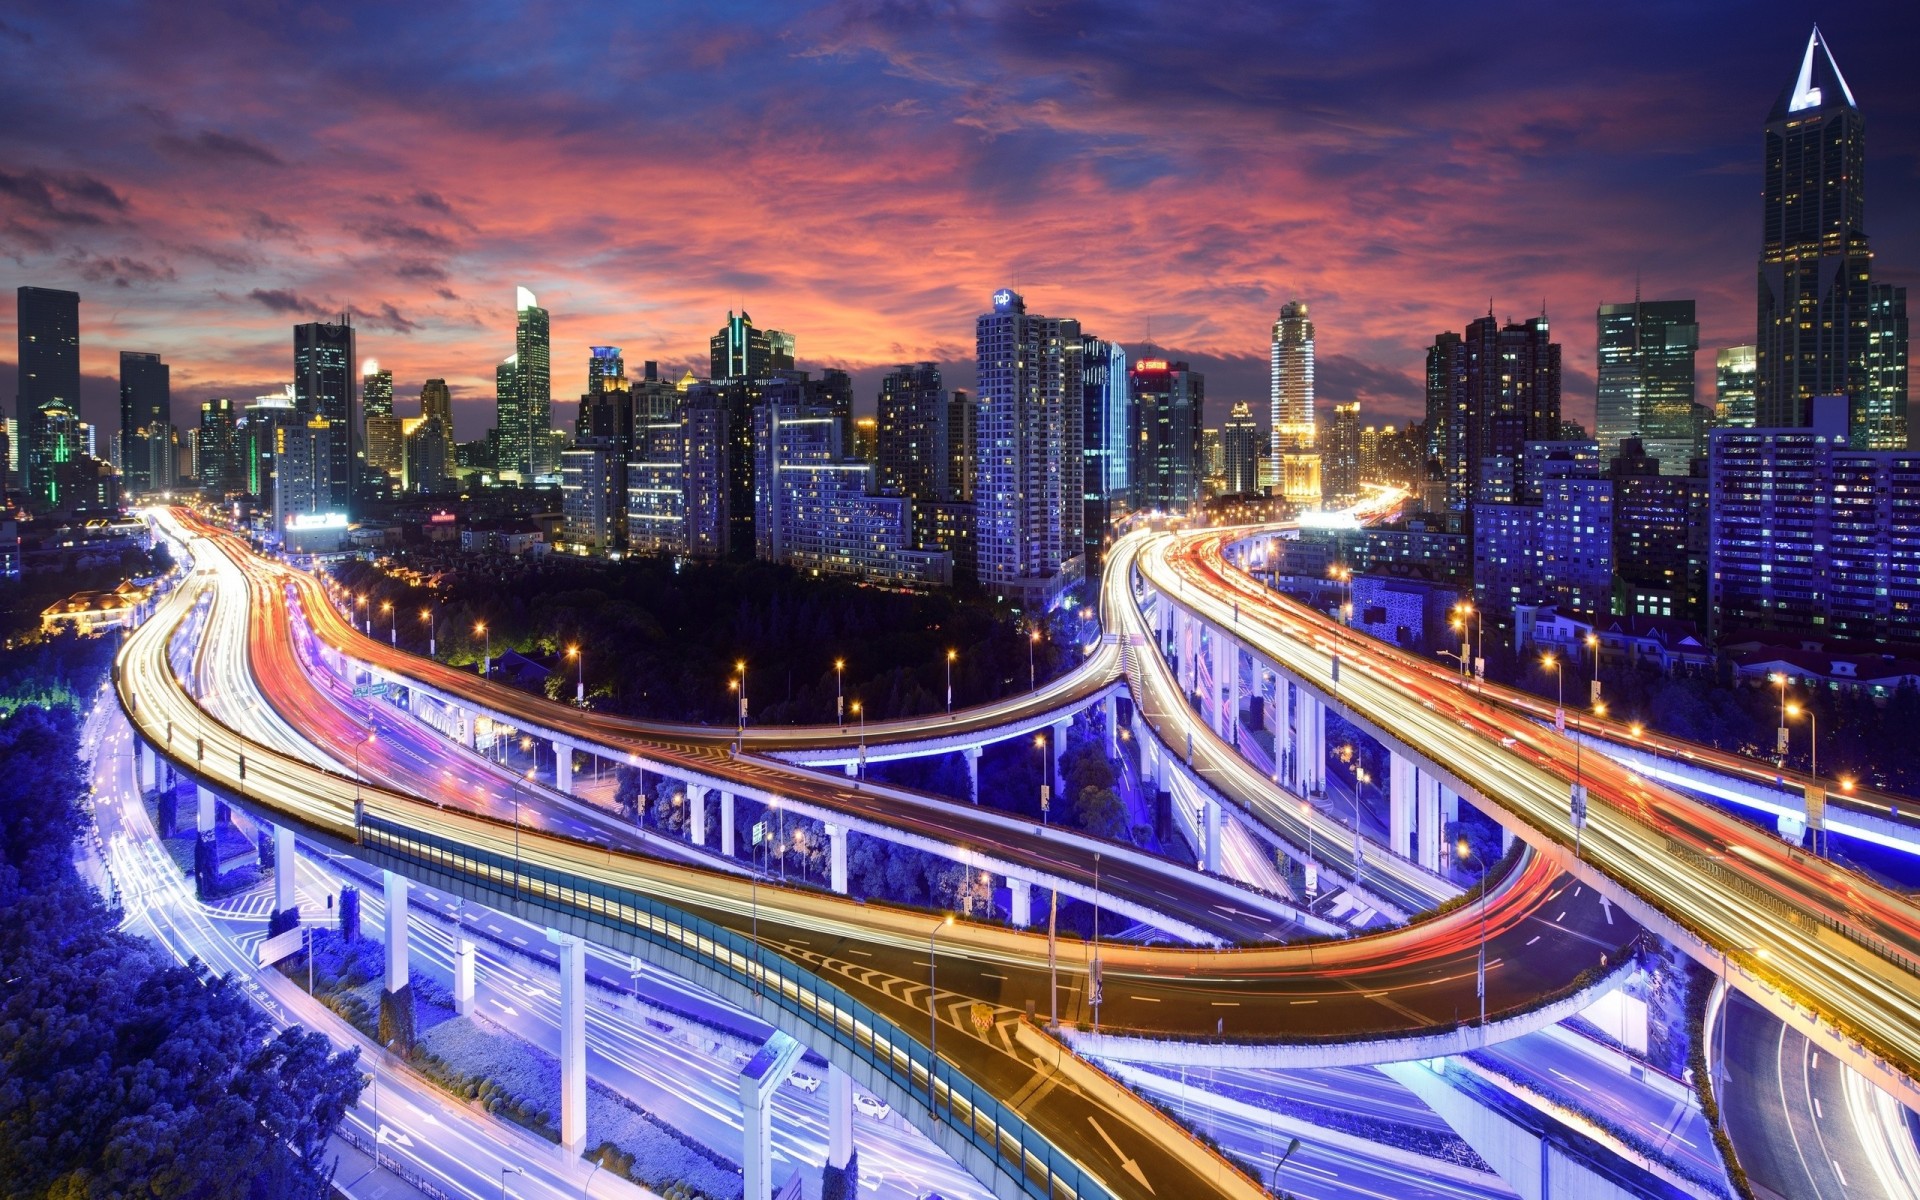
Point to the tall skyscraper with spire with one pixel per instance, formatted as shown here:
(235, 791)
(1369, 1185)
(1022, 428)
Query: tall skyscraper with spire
(1292, 354)
(532, 344)
(1816, 293)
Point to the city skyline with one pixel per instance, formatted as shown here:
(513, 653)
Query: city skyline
(428, 269)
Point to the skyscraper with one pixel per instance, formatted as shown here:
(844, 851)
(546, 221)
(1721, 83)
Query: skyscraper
(604, 362)
(381, 431)
(1884, 370)
(1340, 456)
(1167, 402)
(963, 434)
(1292, 362)
(220, 466)
(1659, 537)
(532, 352)
(146, 422)
(437, 402)
(323, 363)
(1814, 259)
(1032, 410)
(1733, 370)
(742, 351)
(1646, 351)
(913, 433)
(1240, 446)
(509, 418)
(1106, 421)
(48, 404)
(1498, 388)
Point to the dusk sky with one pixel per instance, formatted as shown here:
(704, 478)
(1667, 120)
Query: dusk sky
(864, 175)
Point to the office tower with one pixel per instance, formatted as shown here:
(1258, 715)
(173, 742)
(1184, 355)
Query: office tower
(1340, 456)
(1032, 411)
(376, 389)
(608, 416)
(817, 512)
(742, 351)
(48, 403)
(1659, 537)
(1106, 467)
(604, 362)
(1292, 363)
(1815, 264)
(1167, 404)
(323, 385)
(426, 455)
(259, 440)
(146, 422)
(1240, 451)
(1646, 351)
(1370, 452)
(708, 472)
(219, 465)
(1492, 391)
(1733, 373)
(1884, 370)
(1809, 535)
(524, 394)
(963, 435)
(866, 439)
(913, 433)
(303, 463)
(1552, 542)
(436, 401)
(509, 418)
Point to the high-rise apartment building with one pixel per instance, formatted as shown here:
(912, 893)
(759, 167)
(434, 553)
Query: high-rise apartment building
(1489, 393)
(259, 439)
(323, 386)
(146, 422)
(1810, 535)
(1292, 366)
(1733, 372)
(708, 472)
(1551, 542)
(381, 431)
(1816, 295)
(220, 467)
(963, 444)
(1659, 537)
(1340, 456)
(1240, 450)
(913, 433)
(1032, 413)
(1167, 402)
(303, 463)
(1645, 369)
(1105, 425)
(48, 402)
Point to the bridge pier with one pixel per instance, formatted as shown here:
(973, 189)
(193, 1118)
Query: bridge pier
(1019, 903)
(1060, 753)
(562, 767)
(1427, 811)
(1211, 859)
(1110, 714)
(837, 859)
(839, 1117)
(147, 761)
(1401, 781)
(1311, 740)
(759, 1081)
(396, 929)
(463, 956)
(209, 810)
(573, 1040)
(285, 871)
(726, 824)
(972, 755)
(697, 814)
(1231, 726)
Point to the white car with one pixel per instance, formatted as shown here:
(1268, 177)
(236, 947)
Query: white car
(805, 1082)
(869, 1106)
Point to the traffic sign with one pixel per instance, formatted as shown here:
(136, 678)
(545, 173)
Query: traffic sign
(369, 689)
(280, 945)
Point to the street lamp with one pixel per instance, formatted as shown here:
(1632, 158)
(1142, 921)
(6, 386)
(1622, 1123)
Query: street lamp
(504, 1172)
(840, 694)
(1593, 686)
(357, 747)
(862, 714)
(1306, 818)
(486, 664)
(1360, 779)
(362, 602)
(1344, 575)
(426, 618)
(580, 678)
(933, 1005)
(1560, 682)
(1466, 851)
(393, 622)
(1466, 610)
(1577, 799)
(1046, 785)
(1813, 748)
(741, 736)
(951, 655)
(1779, 679)
(1033, 639)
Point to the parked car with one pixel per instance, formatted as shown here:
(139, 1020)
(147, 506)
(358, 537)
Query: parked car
(869, 1106)
(803, 1081)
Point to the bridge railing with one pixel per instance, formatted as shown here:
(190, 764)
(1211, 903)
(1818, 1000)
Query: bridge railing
(986, 1124)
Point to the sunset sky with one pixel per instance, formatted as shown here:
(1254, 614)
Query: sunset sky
(864, 175)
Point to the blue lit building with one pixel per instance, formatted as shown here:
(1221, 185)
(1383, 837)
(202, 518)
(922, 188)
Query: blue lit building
(1107, 420)
(1552, 541)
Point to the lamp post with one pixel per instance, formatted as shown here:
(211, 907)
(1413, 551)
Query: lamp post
(741, 736)
(951, 655)
(1466, 851)
(1813, 749)
(1094, 986)
(933, 1003)
(1306, 818)
(504, 1172)
(357, 747)
(840, 694)
(486, 664)
(861, 773)
(1033, 639)
(1593, 678)
(1046, 785)
(362, 602)
(1779, 679)
(1577, 799)
(1360, 779)
(393, 622)
(580, 676)
(433, 647)
(1344, 576)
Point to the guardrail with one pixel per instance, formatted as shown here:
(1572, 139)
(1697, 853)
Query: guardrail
(986, 1124)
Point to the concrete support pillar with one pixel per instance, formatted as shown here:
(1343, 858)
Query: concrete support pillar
(148, 774)
(837, 859)
(396, 929)
(209, 810)
(760, 1080)
(726, 824)
(285, 870)
(1020, 904)
(1212, 853)
(1231, 727)
(463, 724)
(972, 755)
(573, 1040)
(562, 767)
(1312, 735)
(839, 1117)
(1427, 820)
(1059, 754)
(697, 814)
(1400, 805)
(1449, 806)
(1110, 717)
(463, 956)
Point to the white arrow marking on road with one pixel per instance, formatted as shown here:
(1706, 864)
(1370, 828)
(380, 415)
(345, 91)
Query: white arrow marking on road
(1606, 906)
(389, 1134)
(1131, 1167)
(505, 1008)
